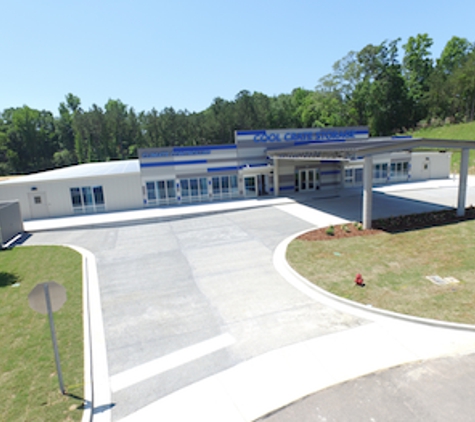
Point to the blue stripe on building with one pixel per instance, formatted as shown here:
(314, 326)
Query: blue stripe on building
(324, 173)
(230, 168)
(204, 148)
(173, 163)
(250, 132)
(257, 165)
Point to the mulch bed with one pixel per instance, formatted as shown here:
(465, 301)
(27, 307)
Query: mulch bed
(392, 225)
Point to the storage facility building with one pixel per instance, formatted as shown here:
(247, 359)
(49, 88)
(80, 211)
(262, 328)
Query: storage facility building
(259, 163)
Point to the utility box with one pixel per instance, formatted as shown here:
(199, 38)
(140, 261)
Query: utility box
(11, 221)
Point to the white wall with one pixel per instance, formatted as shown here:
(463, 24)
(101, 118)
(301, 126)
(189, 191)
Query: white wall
(121, 192)
(430, 165)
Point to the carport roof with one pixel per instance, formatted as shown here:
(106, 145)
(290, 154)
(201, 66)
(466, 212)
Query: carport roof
(354, 149)
(110, 168)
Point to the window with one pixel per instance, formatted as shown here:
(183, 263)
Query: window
(171, 193)
(250, 186)
(87, 199)
(234, 185)
(400, 170)
(162, 193)
(37, 199)
(225, 184)
(384, 171)
(151, 195)
(349, 176)
(380, 171)
(194, 187)
(216, 186)
(98, 198)
(359, 175)
(204, 186)
(185, 189)
(76, 197)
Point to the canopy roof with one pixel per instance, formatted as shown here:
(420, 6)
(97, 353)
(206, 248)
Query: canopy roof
(349, 150)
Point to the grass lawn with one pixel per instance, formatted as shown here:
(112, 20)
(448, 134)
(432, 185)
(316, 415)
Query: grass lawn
(394, 267)
(29, 383)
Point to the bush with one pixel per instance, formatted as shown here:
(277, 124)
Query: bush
(330, 231)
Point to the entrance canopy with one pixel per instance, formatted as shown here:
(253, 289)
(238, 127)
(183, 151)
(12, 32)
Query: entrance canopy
(348, 150)
(351, 150)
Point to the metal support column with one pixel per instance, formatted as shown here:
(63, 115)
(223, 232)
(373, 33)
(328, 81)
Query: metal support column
(367, 192)
(276, 176)
(463, 182)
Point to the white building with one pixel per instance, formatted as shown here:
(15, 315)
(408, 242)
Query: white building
(261, 162)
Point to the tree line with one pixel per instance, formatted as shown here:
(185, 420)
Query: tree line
(372, 87)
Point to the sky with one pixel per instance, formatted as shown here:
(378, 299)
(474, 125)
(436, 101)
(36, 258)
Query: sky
(184, 53)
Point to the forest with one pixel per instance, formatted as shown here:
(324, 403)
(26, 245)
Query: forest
(372, 87)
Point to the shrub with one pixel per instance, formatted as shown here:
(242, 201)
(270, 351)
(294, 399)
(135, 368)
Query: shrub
(330, 231)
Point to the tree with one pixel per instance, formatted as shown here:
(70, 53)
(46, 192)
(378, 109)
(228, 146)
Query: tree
(387, 103)
(31, 140)
(115, 118)
(65, 128)
(454, 55)
(417, 69)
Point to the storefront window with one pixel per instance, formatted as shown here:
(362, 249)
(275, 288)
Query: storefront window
(216, 187)
(204, 186)
(225, 184)
(87, 199)
(234, 185)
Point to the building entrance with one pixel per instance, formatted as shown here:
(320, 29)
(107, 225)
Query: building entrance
(250, 186)
(255, 185)
(307, 180)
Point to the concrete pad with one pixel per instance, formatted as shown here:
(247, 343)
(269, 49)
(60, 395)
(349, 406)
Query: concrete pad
(312, 216)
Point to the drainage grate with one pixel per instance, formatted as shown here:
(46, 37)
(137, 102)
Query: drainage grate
(440, 281)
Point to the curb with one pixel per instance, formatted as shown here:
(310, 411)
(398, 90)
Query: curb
(184, 212)
(97, 395)
(280, 260)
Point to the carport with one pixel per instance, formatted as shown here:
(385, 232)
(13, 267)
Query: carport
(366, 150)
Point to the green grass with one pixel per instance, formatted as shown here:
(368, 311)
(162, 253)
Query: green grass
(394, 268)
(29, 383)
(461, 132)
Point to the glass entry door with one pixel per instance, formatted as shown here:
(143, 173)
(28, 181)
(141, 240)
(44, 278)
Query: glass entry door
(250, 186)
(307, 180)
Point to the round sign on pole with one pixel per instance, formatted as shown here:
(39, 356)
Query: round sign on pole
(47, 298)
(37, 299)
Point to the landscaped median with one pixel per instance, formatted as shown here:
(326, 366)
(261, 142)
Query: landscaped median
(29, 382)
(395, 265)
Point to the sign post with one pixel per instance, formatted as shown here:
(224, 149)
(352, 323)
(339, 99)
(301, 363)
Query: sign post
(47, 298)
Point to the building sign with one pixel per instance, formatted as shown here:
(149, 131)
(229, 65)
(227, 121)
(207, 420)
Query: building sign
(303, 136)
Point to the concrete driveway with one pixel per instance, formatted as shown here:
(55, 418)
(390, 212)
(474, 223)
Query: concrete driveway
(189, 298)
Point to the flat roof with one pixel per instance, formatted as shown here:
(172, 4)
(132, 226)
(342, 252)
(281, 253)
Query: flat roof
(109, 168)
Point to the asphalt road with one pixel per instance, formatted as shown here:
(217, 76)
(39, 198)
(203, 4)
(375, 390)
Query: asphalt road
(439, 390)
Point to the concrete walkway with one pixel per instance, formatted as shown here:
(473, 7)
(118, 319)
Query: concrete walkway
(257, 386)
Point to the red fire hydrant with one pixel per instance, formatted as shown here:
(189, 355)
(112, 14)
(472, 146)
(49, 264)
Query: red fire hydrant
(359, 280)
